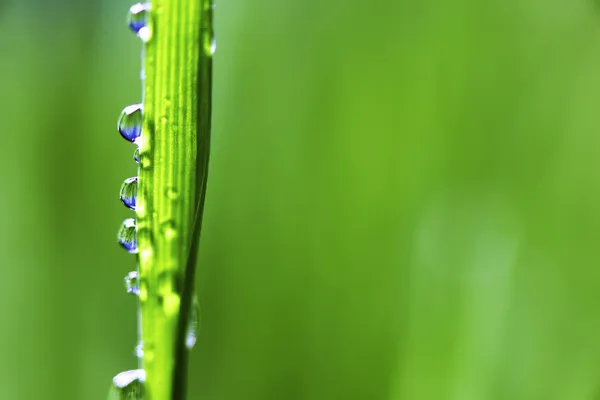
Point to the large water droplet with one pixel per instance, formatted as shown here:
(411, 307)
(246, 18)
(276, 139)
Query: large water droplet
(129, 192)
(130, 122)
(131, 283)
(136, 155)
(128, 385)
(138, 20)
(193, 323)
(127, 235)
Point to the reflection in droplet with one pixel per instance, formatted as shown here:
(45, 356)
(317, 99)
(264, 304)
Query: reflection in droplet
(129, 192)
(138, 20)
(130, 122)
(127, 235)
(136, 155)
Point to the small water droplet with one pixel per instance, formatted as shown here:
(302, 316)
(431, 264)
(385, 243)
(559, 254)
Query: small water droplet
(139, 350)
(130, 122)
(213, 45)
(138, 20)
(127, 235)
(129, 191)
(128, 385)
(131, 283)
(192, 327)
(136, 155)
(169, 229)
(172, 193)
(209, 44)
(145, 161)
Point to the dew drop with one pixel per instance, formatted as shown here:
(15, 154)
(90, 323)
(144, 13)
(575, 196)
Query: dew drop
(128, 385)
(213, 45)
(172, 193)
(209, 44)
(136, 155)
(145, 161)
(127, 235)
(130, 122)
(138, 18)
(169, 229)
(129, 192)
(131, 283)
(192, 327)
(139, 350)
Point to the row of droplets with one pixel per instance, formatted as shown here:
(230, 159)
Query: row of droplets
(129, 125)
(130, 384)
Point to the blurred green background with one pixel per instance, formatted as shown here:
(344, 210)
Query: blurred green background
(403, 202)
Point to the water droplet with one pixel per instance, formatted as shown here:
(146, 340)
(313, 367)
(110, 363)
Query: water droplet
(209, 44)
(139, 350)
(128, 385)
(129, 192)
(130, 122)
(131, 283)
(213, 45)
(192, 327)
(172, 193)
(127, 235)
(169, 229)
(145, 161)
(138, 20)
(136, 155)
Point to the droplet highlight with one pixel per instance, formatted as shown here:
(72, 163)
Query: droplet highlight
(138, 20)
(127, 235)
(130, 122)
(193, 324)
(129, 191)
(132, 283)
(128, 385)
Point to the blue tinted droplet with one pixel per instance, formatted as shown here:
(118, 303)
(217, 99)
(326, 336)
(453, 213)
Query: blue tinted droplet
(130, 122)
(127, 235)
(139, 15)
(136, 155)
(129, 192)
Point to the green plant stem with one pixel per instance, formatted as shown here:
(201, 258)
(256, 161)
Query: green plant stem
(172, 182)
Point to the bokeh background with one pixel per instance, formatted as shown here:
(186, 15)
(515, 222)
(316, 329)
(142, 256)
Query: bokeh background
(404, 201)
